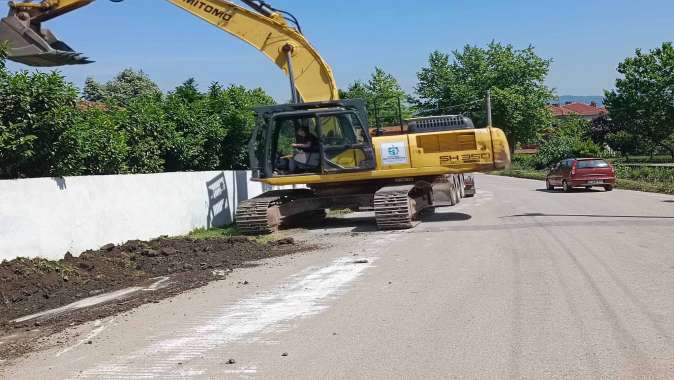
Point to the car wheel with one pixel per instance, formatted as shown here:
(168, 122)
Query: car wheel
(566, 186)
(588, 187)
(608, 187)
(548, 185)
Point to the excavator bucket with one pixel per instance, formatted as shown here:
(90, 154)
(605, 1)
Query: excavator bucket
(31, 45)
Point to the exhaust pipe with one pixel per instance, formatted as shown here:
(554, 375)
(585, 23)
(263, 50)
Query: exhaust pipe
(31, 45)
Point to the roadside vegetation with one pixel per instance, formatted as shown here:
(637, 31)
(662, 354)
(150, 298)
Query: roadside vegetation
(232, 230)
(659, 159)
(640, 178)
(639, 128)
(214, 232)
(49, 127)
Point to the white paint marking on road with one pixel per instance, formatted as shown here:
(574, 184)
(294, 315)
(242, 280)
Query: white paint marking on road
(187, 373)
(243, 370)
(303, 295)
(99, 327)
(219, 273)
(91, 301)
(159, 284)
(95, 300)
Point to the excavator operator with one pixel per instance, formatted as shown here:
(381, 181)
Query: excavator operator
(306, 156)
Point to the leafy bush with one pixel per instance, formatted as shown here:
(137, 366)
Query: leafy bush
(570, 139)
(93, 145)
(127, 126)
(36, 109)
(644, 159)
(645, 173)
(524, 161)
(124, 87)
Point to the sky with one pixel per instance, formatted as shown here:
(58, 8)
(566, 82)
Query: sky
(585, 39)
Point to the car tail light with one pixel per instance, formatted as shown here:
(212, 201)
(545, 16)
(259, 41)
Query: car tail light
(573, 168)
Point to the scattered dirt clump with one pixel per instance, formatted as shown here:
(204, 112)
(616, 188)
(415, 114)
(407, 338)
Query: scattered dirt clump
(29, 286)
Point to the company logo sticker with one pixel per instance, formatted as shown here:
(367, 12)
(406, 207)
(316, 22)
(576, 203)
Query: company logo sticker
(394, 153)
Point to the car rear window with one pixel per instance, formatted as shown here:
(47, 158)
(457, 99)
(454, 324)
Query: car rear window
(587, 164)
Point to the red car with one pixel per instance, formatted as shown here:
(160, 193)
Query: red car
(581, 172)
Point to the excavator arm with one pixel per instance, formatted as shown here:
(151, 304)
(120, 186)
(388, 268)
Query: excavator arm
(263, 27)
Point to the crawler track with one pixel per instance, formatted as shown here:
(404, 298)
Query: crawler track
(258, 216)
(394, 210)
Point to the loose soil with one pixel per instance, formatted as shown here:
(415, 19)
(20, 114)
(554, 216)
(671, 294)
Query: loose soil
(28, 286)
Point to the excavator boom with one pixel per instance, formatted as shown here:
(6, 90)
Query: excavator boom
(263, 28)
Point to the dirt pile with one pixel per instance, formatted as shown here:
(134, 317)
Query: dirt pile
(28, 286)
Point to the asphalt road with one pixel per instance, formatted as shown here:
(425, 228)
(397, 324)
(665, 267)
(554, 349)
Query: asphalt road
(517, 282)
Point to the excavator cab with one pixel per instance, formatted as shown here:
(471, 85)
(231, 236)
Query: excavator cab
(33, 45)
(311, 138)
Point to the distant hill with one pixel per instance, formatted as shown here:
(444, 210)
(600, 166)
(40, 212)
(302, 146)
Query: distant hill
(580, 99)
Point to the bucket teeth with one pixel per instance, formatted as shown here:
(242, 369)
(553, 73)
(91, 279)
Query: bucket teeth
(31, 45)
(52, 58)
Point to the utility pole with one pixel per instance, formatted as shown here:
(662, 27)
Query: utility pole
(489, 108)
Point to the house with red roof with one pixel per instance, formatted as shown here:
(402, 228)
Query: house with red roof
(588, 112)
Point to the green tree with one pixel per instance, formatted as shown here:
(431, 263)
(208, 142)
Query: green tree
(515, 78)
(188, 91)
(199, 133)
(46, 131)
(36, 109)
(642, 103)
(234, 107)
(122, 89)
(604, 131)
(149, 133)
(92, 145)
(571, 138)
(381, 93)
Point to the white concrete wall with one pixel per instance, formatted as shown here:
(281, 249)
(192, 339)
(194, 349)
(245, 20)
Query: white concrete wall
(48, 217)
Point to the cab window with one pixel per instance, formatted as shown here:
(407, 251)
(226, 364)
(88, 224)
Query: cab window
(344, 139)
(295, 145)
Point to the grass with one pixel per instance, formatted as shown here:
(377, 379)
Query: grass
(663, 187)
(661, 159)
(47, 266)
(208, 233)
(651, 187)
(336, 213)
(227, 231)
(522, 173)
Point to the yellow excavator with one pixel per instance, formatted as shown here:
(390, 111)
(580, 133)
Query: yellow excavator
(317, 140)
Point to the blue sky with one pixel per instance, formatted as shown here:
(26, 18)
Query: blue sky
(586, 39)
